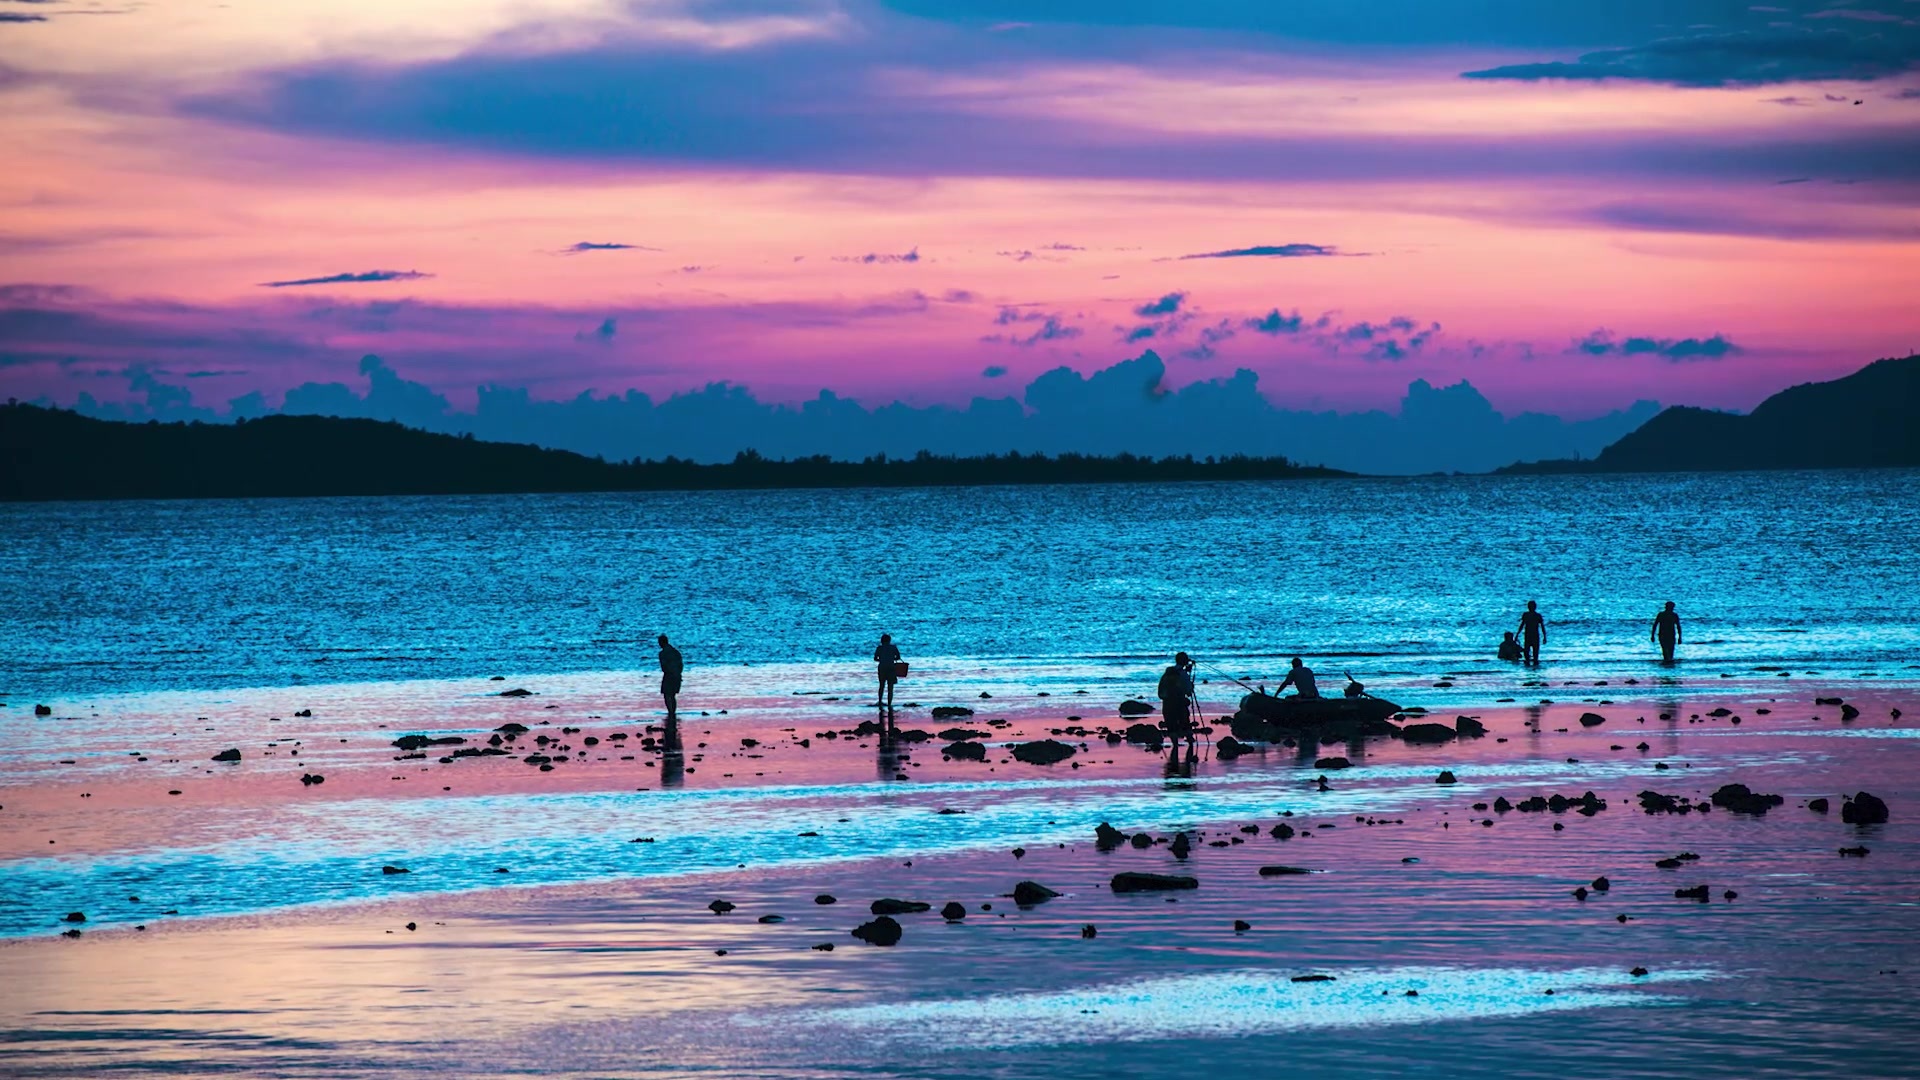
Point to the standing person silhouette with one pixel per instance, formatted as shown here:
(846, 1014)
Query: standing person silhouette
(671, 665)
(886, 654)
(1533, 632)
(1666, 627)
(1176, 701)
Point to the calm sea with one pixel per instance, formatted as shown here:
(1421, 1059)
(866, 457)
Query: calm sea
(1392, 578)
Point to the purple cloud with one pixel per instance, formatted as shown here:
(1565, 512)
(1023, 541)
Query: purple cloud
(348, 279)
(1269, 251)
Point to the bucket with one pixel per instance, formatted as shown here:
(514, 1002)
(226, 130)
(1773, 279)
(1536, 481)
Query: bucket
(899, 669)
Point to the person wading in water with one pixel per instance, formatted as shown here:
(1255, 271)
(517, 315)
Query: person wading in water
(671, 665)
(1533, 631)
(887, 655)
(1666, 627)
(1176, 700)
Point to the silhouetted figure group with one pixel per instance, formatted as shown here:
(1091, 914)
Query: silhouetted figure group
(1533, 634)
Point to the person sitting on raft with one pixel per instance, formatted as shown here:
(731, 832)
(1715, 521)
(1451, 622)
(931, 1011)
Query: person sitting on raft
(1301, 679)
(1509, 647)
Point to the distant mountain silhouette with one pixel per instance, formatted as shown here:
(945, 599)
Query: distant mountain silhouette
(1869, 419)
(58, 454)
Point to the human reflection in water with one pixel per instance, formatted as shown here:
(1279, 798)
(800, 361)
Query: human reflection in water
(887, 757)
(1179, 765)
(673, 759)
(1534, 714)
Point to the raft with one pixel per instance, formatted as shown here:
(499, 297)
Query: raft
(1271, 719)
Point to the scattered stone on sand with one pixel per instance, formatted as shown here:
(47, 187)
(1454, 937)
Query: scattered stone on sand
(1229, 748)
(964, 751)
(1133, 881)
(229, 754)
(391, 869)
(882, 931)
(1863, 809)
(1591, 719)
(1134, 707)
(1028, 893)
(890, 906)
(720, 907)
(1446, 777)
(1742, 800)
(953, 911)
(1042, 752)
(1282, 871)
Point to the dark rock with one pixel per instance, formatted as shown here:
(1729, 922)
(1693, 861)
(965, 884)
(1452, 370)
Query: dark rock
(1106, 837)
(1312, 978)
(1146, 734)
(1282, 831)
(310, 779)
(1698, 892)
(1741, 800)
(1028, 893)
(825, 898)
(1818, 806)
(1467, 727)
(1863, 809)
(1042, 752)
(1655, 803)
(773, 918)
(1580, 892)
(1331, 763)
(416, 742)
(395, 870)
(965, 751)
(1181, 845)
(43, 710)
(1131, 882)
(720, 907)
(1446, 777)
(890, 906)
(1592, 719)
(1637, 972)
(1089, 931)
(1229, 748)
(943, 712)
(1501, 805)
(1282, 871)
(70, 933)
(954, 911)
(959, 734)
(1829, 701)
(824, 946)
(1668, 864)
(516, 692)
(1134, 707)
(1427, 733)
(511, 730)
(882, 931)
(75, 916)
(1241, 926)
(1729, 895)
(413, 926)
(1856, 852)
(229, 754)
(1601, 884)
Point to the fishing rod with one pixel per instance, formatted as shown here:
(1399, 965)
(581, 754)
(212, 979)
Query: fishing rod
(1228, 677)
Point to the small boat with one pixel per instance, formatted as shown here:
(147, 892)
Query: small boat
(1264, 716)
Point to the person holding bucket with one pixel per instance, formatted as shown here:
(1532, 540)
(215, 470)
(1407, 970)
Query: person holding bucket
(887, 655)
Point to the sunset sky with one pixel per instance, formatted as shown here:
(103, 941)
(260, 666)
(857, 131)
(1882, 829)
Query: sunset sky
(1573, 206)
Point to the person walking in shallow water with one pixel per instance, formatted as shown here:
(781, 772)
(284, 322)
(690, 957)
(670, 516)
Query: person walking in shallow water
(671, 665)
(887, 655)
(1533, 632)
(1666, 628)
(1176, 701)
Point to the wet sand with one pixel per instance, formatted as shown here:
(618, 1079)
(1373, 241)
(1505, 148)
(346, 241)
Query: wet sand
(596, 952)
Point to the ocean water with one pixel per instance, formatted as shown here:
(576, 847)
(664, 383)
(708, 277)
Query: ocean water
(1387, 578)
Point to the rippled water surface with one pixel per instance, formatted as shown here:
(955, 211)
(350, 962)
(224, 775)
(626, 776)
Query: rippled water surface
(1805, 570)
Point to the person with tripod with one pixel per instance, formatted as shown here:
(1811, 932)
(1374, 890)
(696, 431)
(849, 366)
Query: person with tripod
(1176, 701)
